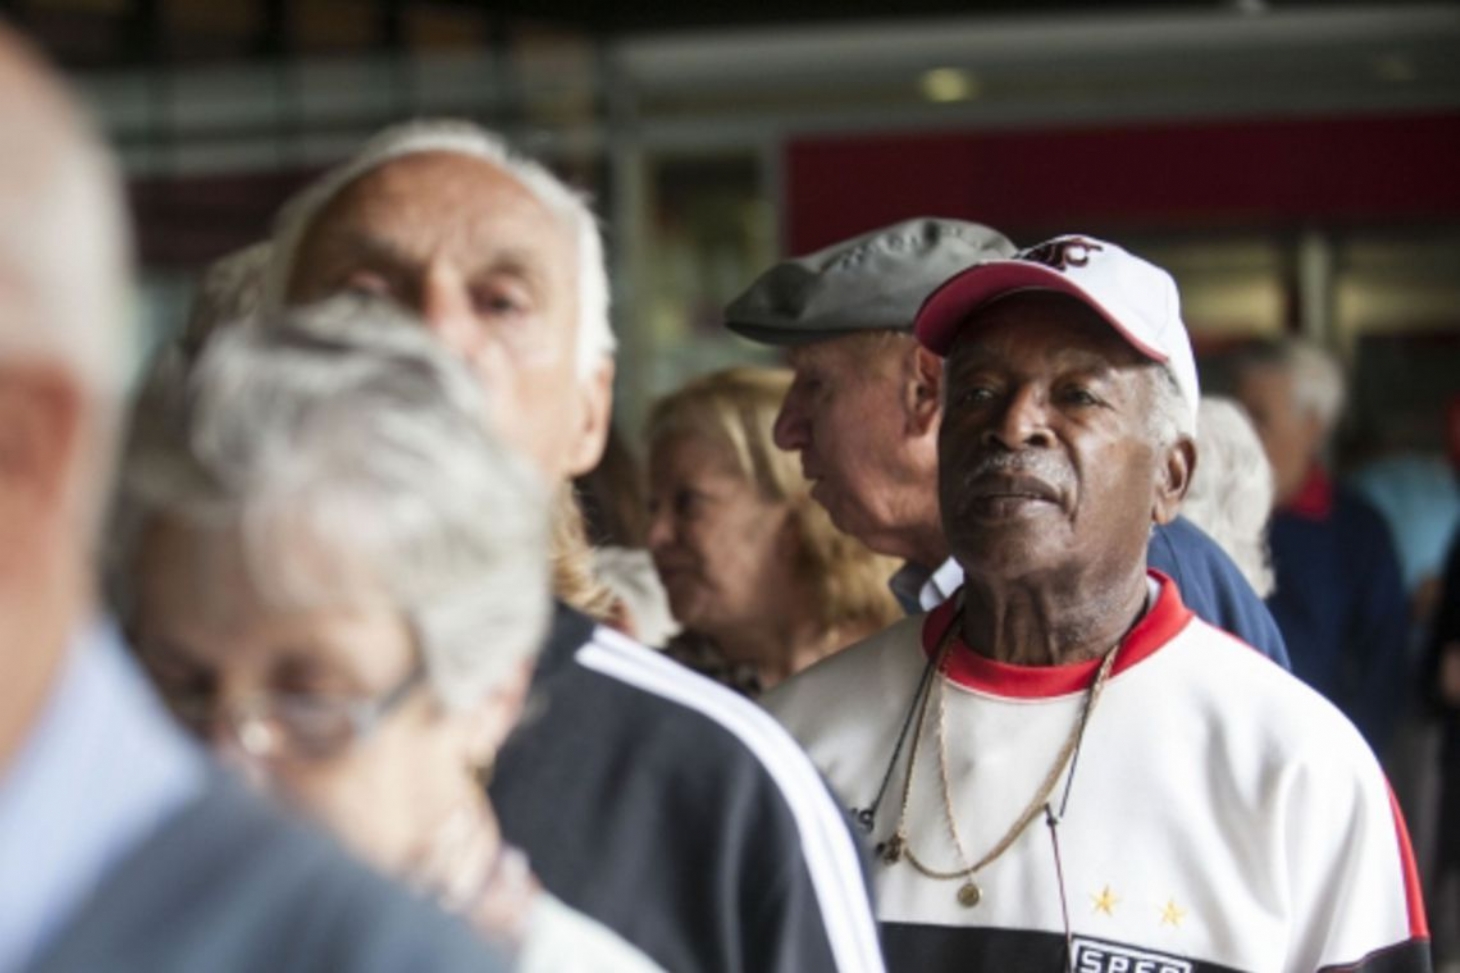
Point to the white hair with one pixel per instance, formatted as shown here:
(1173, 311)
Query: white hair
(595, 334)
(1318, 382)
(343, 431)
(66, 289)
(1231, 491)
(230, 289)
(65, 251)
(1171, 416)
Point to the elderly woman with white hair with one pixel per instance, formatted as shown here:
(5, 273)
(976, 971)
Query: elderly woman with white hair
(1231, 492)
(337, 577)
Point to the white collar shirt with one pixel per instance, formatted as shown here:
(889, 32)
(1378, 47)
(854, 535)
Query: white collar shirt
(919, 590)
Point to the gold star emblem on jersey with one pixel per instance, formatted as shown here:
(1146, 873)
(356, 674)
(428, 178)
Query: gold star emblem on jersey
(1106, 901)
(1172, 914)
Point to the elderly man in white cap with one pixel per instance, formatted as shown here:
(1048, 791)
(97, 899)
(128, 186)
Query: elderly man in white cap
(1075, 772)
(865, 408)
(676, 813)
(121, 847)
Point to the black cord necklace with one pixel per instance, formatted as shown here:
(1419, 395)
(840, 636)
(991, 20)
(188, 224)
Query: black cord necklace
(866, 817)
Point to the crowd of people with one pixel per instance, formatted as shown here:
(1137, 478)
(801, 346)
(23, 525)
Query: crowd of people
(965, 642)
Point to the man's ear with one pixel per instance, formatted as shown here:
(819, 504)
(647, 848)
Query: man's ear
(1173, 479)
(40, 431)
(595, 411)
(922, 390)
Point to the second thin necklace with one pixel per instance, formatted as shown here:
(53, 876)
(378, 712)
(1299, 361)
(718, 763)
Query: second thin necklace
(897, 848)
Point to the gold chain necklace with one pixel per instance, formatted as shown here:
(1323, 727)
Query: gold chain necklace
(898, 847)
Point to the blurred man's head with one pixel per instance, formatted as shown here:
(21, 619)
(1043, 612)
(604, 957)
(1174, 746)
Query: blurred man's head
(1294, 392)
(63, 342)
(1069, 421)
(499, 259)
(64, 256)
(864, 409)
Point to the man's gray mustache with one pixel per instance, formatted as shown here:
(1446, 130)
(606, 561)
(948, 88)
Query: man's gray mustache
(1041, 466)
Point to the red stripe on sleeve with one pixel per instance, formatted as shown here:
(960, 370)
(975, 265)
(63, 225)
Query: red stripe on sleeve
(1419, 926)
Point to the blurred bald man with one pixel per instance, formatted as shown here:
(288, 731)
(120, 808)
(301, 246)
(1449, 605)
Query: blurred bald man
(670, 809)
(120, 847)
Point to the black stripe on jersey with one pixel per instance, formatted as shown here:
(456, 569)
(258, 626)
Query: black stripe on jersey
(918, 948)
(1412, 956)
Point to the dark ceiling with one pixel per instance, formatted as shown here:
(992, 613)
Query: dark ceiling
(106, 34)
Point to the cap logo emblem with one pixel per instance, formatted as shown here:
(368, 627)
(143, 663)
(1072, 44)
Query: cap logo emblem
(1062, 254)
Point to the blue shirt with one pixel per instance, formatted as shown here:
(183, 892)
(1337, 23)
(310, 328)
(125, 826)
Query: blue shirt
(1213, 587)
(102, 768)
(1420, 501)
(1340, 601)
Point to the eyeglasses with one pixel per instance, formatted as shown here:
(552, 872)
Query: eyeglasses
(309, 726)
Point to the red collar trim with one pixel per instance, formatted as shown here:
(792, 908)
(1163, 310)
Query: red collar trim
(1314, 499)
(973, 671)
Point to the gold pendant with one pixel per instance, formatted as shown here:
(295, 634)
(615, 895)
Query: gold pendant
(969, 894)
(891, 850)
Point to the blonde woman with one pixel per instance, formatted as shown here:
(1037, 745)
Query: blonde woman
(761, 582)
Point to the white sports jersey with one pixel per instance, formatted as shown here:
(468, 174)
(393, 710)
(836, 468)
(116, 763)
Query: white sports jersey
(1222, 815)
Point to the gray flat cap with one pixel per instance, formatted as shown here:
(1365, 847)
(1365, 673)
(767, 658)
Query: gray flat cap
(874, 282)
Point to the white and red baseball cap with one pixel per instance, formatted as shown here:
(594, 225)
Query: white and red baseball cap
(1137, 298)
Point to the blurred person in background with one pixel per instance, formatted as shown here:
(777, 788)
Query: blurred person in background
(1417, 494)
(1441, 684)
(230, 289)
(674, 811)
(1442, 678)
(864, 412)
(1231, 491)
(121, 847)
(1339, 595)
(612, 498)
(761, 581)
(299, 557)
(1420, 501)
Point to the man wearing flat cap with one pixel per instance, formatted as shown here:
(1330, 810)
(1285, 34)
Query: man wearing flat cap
(1066, 769)
(867, 401)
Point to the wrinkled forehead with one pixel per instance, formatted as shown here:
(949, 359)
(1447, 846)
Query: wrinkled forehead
(860, 353)
(433, 206)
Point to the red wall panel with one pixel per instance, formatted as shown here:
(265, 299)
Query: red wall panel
(1261, 173)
